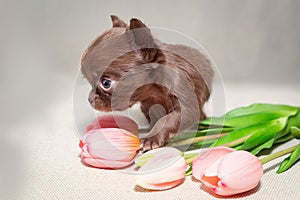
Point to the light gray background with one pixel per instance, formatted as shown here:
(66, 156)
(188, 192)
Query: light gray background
(42, 41)
(253, 42)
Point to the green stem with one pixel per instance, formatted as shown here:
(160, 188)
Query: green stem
(190, 157)
(196, 139)
(278, 154)
(237, 142)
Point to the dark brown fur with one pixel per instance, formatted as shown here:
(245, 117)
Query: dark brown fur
(172, 82)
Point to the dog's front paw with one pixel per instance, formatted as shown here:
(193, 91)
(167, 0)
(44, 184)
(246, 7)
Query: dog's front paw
(152, 142)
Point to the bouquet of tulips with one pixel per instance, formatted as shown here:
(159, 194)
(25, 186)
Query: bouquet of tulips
(234, 141)
(252, 128)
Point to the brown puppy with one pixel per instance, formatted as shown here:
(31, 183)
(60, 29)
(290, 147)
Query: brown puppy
(126, 65)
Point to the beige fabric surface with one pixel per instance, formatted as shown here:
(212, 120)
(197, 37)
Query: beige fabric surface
(51, 166)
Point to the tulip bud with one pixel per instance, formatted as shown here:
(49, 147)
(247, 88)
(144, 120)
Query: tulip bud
(227, 172)
(113, 121)
(161, 169)
(109, 148)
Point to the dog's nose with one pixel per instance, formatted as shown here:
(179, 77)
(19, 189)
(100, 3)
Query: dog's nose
(91, 100)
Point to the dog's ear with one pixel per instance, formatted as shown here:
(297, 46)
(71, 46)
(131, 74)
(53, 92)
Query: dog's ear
(117, 22)
(143, 39)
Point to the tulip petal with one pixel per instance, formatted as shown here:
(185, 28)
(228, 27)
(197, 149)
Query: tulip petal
(105, 164)
(108, 143)
(145, 157)
(109, 148)
(161, 186)
(165, 170)
(101, 163)
(113, 121)
(207, 158)
(210, 175)
(234, 172)
(227, 191)
(211, 180)
(212, 170)
(237, 166)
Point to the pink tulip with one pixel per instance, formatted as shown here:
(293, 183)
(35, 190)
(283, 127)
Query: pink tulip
(113, 121)
(227, 171)
(109, 148)
(164, 168)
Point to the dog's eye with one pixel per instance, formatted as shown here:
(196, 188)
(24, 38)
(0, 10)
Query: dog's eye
(106, 83)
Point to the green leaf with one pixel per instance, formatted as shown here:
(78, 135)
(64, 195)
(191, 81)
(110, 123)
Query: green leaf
(284, 138)
(189, 171)
(265, 134)
(238, 147)
(250, 119)
(204, 143)
(254, 114)
(213, 121)
(295, 132)
(292, 121)
(259, 107)
(265, 145)
(210, 131)
(289, 161)
(244, 132)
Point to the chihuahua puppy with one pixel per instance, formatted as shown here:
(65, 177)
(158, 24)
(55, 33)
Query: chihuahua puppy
(126, 65)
